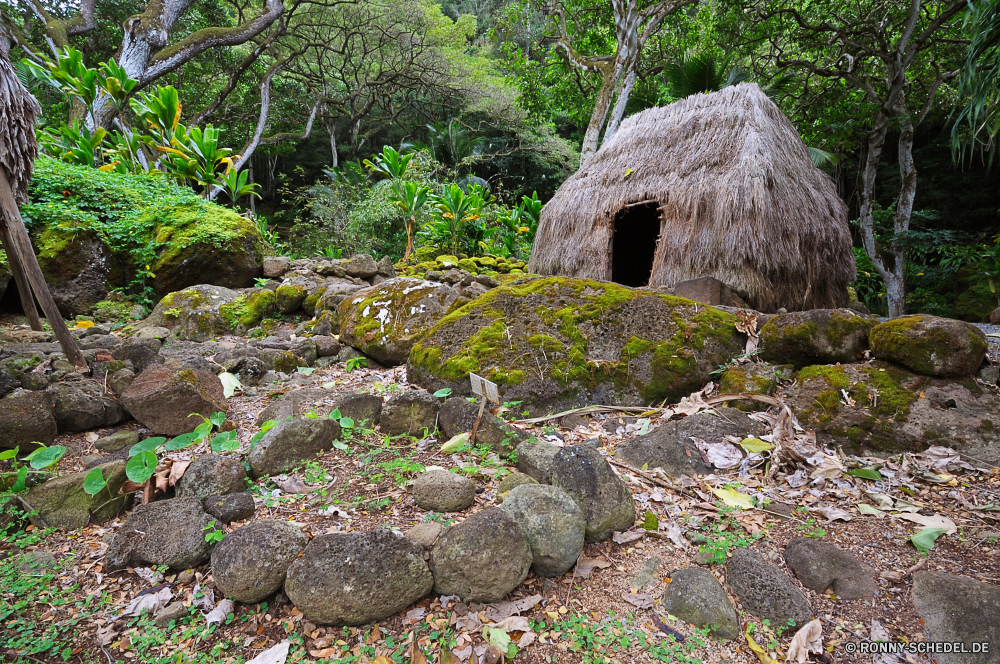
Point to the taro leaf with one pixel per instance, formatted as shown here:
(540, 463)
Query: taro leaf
(346, 423)
(230, 383)
(334, 415)
(651, 522)
(924, 540)
(8, 454)
(94, 482)
(267, 426)
(22, 477)
(866, 474)
(443, 392)
(181, 441)
(203, 429)
(733, 498)
(147, 445)
(217, 419)
(755, 445)
(46, 456)
(339, 445)
(225, 442)
(141, 467)
(456, 442)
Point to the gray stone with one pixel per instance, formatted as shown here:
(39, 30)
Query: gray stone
(167, 532)
(552, 522)
(212, 475)
(172, 611)
(355, 578)
(35, 382)
(930, 346)
(482, 558)
(100, 341)
(409, 413)
(275, 266)
(587, 477)
(295, 403)
(141, 352)
(386, 268)
(305, 350)
(250, 564)
(153, 332)
(362, 266)
(291, 442)
(360, 407)
(231, 507)
(458, 415)
(348, 353)
(62, 503)
(766, 591)
(821, 566)
(511, 482)
(709, 290)
(817, 336)
(8, 381)
(163, 399)
(958, 609)
(326, 346)
(442, 491)
(535, 458)
(425, 534)
(26, 417)
(669, 446)
(84, 405)
(120, 381)
(695, 596)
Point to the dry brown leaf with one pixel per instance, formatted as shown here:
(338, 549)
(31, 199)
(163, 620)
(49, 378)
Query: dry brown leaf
(448, 657)
(501, 610)
(294, 484)
(416, 654)
(585, 566)
(638, 600)
(177, 471)
(809, 639)
(324, 653)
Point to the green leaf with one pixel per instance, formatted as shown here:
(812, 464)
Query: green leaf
(217, 419)
(866, 474)
(306, 370)
(924, 540)
(650, 522)
(147, 445)
(755, 445)
(334, 415)
(181, 441)
(867, 509)
(267, 426)
(497, 637)
(141, 467)
(443, 392)
(733, 498)
(456, 442)
(346, 423)
(202, 430)
(22, 477)
(8, 454)
(226, 442)
(94, 482)
(47, 456)
(230, 383)
(339, 445)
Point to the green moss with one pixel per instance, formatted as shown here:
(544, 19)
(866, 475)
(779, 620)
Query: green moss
(289, 297)
(987, 425)
(833, 375)
(109, 311)
(287, 362)
(248, 309)
(916, 353)
(468, 265)
(894, 400)
(309, 303)
(841, 326)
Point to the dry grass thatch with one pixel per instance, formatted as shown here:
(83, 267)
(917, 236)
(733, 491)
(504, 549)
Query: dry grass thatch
(18, 147)
(739, 199)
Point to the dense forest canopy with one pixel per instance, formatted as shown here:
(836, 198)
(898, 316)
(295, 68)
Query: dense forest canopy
(391, 126)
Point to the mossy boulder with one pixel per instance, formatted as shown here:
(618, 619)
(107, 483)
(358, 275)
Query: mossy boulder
(77, 265)
(749, 378)
(289, 297)
(203, 243)
(930, 345)
(555, 343)
(818, 336)
(62, 503)
(884, 408)
(201, 312)
(384, 321)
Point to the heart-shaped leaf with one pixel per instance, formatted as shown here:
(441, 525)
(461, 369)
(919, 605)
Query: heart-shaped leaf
(866, 474)
(443, 392)
(141, 467)
(181, 441)
(346, 423)
(217, 419)
(46, 456)
(148, 445)
(94, 482)
(924, 540)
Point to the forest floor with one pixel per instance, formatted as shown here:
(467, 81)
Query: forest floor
(58, 604)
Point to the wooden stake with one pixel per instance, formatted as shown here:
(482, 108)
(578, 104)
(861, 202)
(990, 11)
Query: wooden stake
(26, 255)
(23, 287)
(475, 427)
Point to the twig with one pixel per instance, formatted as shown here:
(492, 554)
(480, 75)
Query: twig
(919, 565)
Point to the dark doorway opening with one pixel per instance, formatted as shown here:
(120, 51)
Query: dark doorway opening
(636, 232)
(10, 302)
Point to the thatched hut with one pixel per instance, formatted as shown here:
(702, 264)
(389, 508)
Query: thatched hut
(717, 185)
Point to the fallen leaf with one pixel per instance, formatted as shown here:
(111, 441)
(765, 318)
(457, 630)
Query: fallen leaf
(92, 437)
(832, 513)
(809, 639)
(936, 521)
(230, 384)
(204, 598)
(497, 637)
(456, 442)
(755, 445)
(924, 540)
(416, 654)
(501, 610)
(514, 624)
(880, 500)
(273, 655)
(177, 471)
(325, 653)
(150, 602)
(868, 510)
(219, 614)
(469, 622)
(448, 657)
(733, 498)
(627, 537)
(106, 635)
(828, 468)
(906, 506)
(294, 485)
(638, 600)
(757, 650)
(720, 455)
(586, 566)
(673, 533)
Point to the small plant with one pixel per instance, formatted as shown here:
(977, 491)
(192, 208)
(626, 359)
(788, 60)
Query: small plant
(143, 456)
(260, 282)
(330, 252)
(810, 529)
(41, 459)
(212, 534)
(356, 363)
(725, 535)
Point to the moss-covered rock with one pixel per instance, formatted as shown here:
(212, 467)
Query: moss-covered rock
(289, 297)
(930, 345)
(818, 336)
(554, 342)
(384, 321)
(248, 309)
(76, 264)
(203, 243)
(749, 379)
(194, 314)
(889, 409)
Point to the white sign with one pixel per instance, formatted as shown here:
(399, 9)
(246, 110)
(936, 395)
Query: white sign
(484, 388)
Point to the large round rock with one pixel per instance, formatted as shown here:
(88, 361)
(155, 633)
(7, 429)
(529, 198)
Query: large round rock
(167, 532)
(553, 524)
(482, 558)
(765, 590)
(587, 477)
(250, 564)
(930, 346)
(441, 491)
(212, 475)
(355, 578)
(291, 442)
(818, 336)
(163, 399)
(409, 413)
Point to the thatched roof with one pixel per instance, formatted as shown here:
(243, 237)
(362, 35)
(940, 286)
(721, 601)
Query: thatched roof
(739, 199)
(18, 112)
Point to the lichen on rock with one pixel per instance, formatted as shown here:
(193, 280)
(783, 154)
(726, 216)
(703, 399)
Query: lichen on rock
(554, 342)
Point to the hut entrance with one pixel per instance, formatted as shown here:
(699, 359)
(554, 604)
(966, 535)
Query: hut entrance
(636, 232)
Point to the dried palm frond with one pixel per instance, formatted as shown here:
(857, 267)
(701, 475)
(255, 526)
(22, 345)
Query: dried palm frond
(18, 147)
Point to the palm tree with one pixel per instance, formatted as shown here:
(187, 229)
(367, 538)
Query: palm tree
(702, 72)
(978, 121)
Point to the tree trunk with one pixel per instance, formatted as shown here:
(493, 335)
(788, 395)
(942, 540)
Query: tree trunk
(332, 128)
(619, 110)
(904, 210)
(601, 107)
(876, 142)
